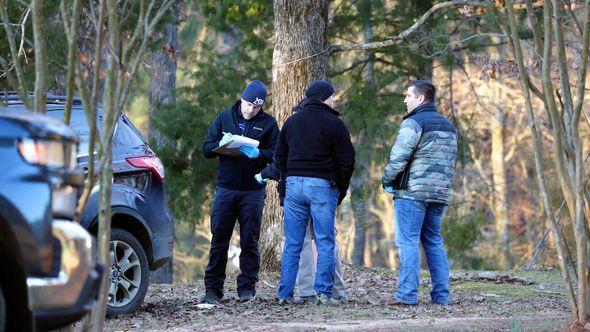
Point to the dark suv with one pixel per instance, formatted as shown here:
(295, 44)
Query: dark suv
(142, 227)
(48, 275)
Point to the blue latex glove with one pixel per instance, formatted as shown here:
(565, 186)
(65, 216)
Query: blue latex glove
(259, 179)
(390, 189)
(250, 152)
(226, 138)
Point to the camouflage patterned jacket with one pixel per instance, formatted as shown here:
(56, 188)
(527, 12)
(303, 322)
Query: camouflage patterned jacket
(432, 167)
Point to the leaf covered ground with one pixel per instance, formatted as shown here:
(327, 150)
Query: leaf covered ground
(490, 301)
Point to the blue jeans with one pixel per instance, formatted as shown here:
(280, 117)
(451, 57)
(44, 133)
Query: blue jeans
(417, 221)
(316, 198)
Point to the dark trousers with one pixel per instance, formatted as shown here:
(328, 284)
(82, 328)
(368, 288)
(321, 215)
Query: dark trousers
(246, 207)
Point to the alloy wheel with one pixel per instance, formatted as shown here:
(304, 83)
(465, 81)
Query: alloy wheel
(125, 274)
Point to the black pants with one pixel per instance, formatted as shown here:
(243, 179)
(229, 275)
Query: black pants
(246, 207)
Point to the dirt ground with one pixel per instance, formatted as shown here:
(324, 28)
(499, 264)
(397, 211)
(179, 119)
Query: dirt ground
(492, 301)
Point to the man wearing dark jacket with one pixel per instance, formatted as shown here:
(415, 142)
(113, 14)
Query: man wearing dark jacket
(238, 195)
(316, 158)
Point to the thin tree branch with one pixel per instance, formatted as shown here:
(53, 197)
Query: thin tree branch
(100, 35)
(464, 40)
(21, 88)
(562, 65)
(21, 49)
(149, 27)
(568, 5)
(396, 40)
(583, 68)
(535, 90)
(89, 106)
(139, 29)
(534, 27)
(7, 73)
(349, 68)
(71, 27)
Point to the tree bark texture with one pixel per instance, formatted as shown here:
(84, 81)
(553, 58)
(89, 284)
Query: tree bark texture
(40, 57)
(162, 98)
(300, 31)
(361, 213)
(71, 27)
(500, 202)
(106, 167)
(163, 79)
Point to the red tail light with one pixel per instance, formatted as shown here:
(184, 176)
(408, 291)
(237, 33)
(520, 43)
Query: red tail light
(152, 163)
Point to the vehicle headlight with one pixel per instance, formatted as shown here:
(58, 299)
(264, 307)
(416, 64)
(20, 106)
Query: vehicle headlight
(48, 153)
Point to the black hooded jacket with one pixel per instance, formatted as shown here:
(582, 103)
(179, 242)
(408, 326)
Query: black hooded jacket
(238, 172)
(314, 142)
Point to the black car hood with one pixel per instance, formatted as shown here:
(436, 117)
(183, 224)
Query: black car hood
(40, 125)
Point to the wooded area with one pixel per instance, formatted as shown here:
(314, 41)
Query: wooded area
(510, 75)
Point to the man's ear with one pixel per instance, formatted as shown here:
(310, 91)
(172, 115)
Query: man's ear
(422, 98)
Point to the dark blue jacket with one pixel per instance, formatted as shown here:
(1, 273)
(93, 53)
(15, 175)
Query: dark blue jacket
(238, 172)
(427, 143)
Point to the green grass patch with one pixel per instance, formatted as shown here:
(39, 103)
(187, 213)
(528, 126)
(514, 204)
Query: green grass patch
(506, 290)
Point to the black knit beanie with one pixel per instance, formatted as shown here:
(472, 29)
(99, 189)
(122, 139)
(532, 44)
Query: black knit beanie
(320, 89)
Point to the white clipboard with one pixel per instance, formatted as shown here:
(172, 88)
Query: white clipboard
(232, 148)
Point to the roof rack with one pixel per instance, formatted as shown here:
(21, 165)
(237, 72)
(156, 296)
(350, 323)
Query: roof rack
(11, 97)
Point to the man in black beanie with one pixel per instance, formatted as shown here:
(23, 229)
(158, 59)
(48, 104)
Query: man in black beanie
(316, 157)
(238, 195)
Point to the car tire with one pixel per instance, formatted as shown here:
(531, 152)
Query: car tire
(129, 273)
(2, 311)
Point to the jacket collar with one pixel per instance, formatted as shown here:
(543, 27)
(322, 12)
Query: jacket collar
(312, 103)
(427, 107)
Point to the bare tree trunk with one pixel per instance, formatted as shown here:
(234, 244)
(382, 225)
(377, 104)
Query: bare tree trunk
(500, 202)
(551, 108)
(359, 197)
(359, 201)
(105, 164)
(90, 100)
(300, 31)
(381, 247)
(574, 188)
(162, 98)
(40, 97)
(163, 78)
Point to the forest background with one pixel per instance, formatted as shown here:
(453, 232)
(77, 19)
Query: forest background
(496, 219)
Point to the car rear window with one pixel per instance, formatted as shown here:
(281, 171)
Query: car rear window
(125, 135)
(78, 124)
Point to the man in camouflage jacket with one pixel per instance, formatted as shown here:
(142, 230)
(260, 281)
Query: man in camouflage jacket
(427, 144)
